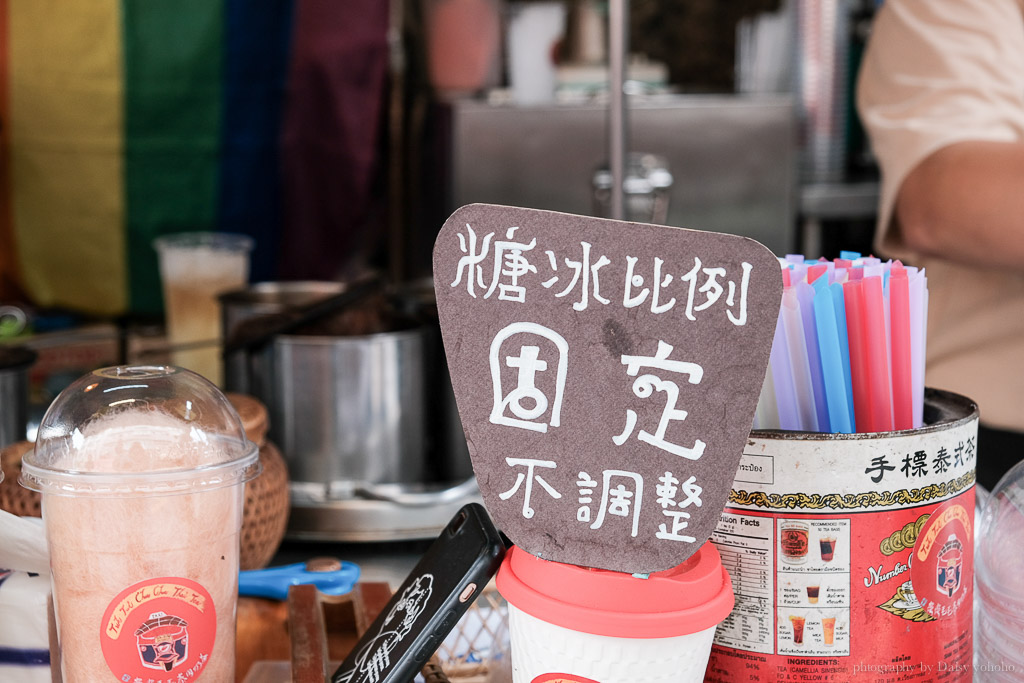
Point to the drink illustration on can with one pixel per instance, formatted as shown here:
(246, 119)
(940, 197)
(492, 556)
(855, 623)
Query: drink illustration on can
(793, 538)
(828, 628)
(798, 628)
(827, 545)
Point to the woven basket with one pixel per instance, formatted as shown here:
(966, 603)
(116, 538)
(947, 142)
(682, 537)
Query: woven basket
(266, 510)
(14, 497)
(266, 497)
(254, 416)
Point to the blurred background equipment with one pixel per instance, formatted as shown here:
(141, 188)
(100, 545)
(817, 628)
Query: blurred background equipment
(15, 362)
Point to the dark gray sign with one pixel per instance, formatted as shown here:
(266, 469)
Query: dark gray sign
(606, 374)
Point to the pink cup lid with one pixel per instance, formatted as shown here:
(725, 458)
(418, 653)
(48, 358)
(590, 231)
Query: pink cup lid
(688, 598)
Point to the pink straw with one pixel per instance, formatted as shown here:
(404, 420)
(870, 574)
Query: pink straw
(899, 316)
(875, 350)
(853, 298)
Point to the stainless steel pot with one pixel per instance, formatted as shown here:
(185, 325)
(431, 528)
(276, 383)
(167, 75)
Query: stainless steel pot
(347, 411)
(264, 298)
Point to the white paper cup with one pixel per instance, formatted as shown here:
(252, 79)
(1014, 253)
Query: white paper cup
(569, 623)
(539, 647)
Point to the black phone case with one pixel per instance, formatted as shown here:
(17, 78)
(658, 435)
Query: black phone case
(427, 606)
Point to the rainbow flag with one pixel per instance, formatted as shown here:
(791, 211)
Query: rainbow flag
(123, 120)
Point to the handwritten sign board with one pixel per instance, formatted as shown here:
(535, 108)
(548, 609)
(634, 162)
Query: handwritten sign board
(606, 374)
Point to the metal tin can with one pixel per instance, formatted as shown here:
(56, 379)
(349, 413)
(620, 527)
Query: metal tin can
(851, 555)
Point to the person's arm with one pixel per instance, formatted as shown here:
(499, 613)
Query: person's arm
(965, 203)
(941, 93)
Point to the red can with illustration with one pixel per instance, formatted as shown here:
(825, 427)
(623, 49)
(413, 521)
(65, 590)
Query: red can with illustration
(851, 555)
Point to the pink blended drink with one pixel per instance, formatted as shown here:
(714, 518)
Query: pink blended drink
(141, 471)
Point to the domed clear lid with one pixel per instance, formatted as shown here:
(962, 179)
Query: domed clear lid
(143, 430)
(1001, 538)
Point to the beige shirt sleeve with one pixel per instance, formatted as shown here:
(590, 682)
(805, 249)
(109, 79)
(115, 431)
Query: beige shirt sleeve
(938, 72)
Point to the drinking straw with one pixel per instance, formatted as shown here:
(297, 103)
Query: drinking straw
(899, 316)
(816, 271)
(796, 344)
(805, 297)
(853, 297)
(839, 306)
(767, 414)
(876, 353)
(849, 348)
(831, 268)
(918, 325)
(782, 377)
(831, 359)
(887, 326)
(876, 270)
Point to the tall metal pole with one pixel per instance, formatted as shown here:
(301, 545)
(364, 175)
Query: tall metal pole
(618, 50)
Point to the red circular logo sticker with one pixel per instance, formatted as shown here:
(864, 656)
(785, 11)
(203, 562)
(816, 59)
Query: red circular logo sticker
(561, 678)
(158, 630)
(942, 566)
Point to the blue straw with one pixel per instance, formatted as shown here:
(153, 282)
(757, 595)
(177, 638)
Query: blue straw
(839, 305)
(831, 358)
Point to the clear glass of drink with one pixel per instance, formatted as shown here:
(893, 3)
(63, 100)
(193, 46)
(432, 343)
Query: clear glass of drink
(141, 471)
(195, 267)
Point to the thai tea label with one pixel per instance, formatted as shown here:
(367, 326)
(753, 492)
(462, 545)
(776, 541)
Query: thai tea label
(159, 631)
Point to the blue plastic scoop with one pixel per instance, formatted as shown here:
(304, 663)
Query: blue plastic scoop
(331, 577)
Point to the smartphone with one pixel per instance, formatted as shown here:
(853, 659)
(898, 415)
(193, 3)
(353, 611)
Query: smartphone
(422, 612)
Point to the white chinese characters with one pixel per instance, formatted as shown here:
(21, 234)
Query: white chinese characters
(645, 386)
(529, 476)
(526, 402)
(502, 269)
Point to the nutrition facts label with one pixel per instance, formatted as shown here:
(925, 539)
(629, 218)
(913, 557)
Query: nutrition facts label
(747, 546)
